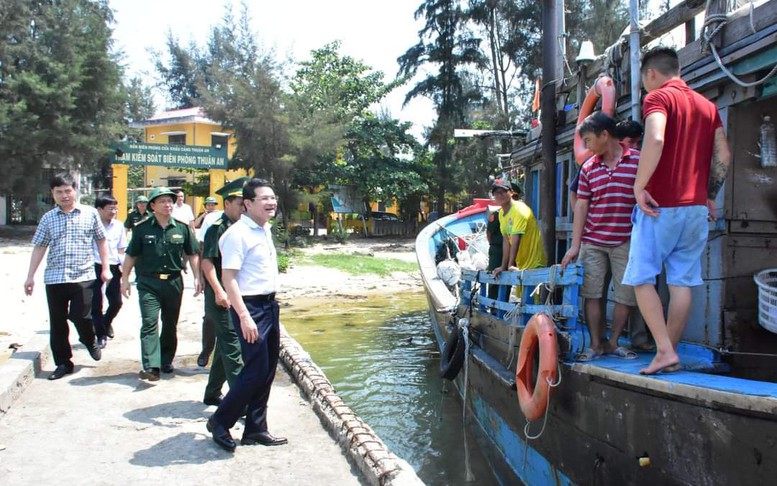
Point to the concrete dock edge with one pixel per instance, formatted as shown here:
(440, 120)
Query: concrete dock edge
(362, 446)
(20, 370)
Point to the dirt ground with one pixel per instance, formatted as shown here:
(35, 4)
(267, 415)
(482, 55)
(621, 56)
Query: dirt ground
(101, 425)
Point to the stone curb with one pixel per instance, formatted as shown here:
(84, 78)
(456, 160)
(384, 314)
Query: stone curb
(20, 370)
(362, 446)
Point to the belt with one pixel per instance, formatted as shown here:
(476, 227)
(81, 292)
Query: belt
(162, 276)
(259, 298)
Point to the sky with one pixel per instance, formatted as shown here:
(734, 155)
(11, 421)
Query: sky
(375, 32)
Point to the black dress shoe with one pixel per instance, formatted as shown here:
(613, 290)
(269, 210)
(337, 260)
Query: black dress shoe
(264, 438)
(202, 360)
(109, 331)
(221, 435)
(102, 342)
(168, 368)
(61, 371)
(95, 351)
(150, 374)
(212, 400)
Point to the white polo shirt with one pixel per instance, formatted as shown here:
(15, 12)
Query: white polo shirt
(248, 248)
(183, 213)
(115, 240)
(207, 222)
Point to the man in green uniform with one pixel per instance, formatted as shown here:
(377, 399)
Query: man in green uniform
(138, 214)
(156, 251)
(226, 359)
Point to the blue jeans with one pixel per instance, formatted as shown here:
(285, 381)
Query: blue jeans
(251, 390)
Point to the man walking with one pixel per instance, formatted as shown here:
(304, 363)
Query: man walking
(226, 360)
(675, 189)
(116, 242)
(138, 214)
(182, 211)
(68, 231)
(202, 223)
(156, 250)
(250, 272)
(601, 231)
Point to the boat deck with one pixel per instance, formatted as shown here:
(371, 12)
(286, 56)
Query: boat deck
(756, 396)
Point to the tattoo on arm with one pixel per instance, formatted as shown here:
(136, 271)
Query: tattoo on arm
(721, 158)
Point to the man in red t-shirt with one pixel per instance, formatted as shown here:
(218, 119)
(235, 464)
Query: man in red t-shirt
(675, 189)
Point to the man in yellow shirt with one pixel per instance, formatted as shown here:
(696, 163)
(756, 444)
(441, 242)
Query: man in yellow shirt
(521, 243)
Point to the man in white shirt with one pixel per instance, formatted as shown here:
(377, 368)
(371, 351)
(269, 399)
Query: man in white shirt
(181, 211)
(250, 275)
(116, 241)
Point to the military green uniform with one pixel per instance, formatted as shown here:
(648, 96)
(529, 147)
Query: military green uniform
(135, 217)
(227, 362)
(159, 253)
(495, 251)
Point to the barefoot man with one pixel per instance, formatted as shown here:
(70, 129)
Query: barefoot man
(675, 190)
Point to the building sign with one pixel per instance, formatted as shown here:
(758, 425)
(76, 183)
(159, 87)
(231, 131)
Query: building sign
(180, 156)
(346, 199)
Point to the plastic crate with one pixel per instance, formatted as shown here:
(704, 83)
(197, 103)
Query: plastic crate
(766, 280)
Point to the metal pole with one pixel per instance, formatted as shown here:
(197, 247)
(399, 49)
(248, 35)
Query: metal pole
(562, 39)
(634, 61)
(548, 104)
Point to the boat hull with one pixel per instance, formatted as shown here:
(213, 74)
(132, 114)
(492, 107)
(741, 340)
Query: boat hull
(605, 423)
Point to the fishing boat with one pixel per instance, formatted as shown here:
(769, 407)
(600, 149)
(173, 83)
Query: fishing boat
(543, 418)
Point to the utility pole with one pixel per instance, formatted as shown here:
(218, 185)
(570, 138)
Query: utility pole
(548, 103)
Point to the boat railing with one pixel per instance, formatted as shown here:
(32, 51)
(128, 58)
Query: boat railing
(550, 290)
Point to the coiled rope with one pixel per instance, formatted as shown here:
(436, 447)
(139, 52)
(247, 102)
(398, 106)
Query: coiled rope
(713, 24)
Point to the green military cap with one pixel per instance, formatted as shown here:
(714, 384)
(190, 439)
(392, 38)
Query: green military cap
(211, 200)
(234, 188)
(141, 199)
(160, 191)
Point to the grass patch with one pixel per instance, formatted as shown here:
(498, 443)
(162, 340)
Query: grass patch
(359, 264)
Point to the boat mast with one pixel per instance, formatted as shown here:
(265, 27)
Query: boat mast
(550, 37)
(634, 60)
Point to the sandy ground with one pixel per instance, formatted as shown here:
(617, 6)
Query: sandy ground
(313, 281)
(101, 425)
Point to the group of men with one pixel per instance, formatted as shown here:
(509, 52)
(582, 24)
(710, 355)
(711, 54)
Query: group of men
(239, 278)
(636, 213)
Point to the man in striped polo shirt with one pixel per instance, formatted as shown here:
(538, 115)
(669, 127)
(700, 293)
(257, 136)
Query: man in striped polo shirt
(601, 231)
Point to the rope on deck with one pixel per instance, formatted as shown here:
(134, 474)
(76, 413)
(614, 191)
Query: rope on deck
(362, 446)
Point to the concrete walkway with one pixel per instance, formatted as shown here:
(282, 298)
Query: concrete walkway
(102, 425)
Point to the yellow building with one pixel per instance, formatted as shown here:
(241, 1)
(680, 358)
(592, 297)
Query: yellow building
(188, 126)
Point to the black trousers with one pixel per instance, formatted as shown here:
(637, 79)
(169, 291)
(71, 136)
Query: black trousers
(112, 293)
(69, 300)
(251, 390)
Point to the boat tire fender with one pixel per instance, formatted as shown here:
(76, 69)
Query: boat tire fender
(452, 357)
(538, 336)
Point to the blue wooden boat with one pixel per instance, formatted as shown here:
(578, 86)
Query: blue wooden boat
(712, 423)
(606, 423)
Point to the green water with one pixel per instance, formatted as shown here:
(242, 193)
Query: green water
(380, 354)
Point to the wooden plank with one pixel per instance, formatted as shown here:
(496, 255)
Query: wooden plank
(738, 51)
(738, 27)
(573, 275)
(674, 17)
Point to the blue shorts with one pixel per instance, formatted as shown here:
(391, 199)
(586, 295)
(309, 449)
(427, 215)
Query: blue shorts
(676, 238)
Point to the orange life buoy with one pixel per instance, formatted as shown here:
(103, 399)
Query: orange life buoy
(603, 88)
(540, 334)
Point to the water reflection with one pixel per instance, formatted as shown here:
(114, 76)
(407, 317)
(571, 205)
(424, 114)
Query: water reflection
(381, 356)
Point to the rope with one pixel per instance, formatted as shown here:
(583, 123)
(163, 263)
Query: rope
(547, 409)
(544, 421)
(464, 325)
(709, 32)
